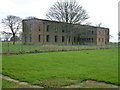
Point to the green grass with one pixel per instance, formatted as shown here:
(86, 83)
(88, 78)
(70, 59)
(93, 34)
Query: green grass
(10, 84)
(57, 69)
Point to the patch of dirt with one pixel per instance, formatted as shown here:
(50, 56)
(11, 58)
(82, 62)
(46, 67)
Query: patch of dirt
(84, 83)
(17, 81)
(101, 83)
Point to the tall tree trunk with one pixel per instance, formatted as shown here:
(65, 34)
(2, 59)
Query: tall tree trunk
(13, 38)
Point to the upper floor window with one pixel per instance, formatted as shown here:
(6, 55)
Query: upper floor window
(31, 27)
(102, 32)
(92, 32)
(39, 27)
(47, 28)
(56, 30)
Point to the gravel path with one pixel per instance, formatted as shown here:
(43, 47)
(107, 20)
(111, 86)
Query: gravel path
(17, 81)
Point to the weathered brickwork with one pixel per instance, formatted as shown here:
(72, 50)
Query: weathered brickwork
(38, 31)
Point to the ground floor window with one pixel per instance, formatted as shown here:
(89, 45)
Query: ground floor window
(47, 38)
(63, 38)
(56, 38)
(99, 39)
(69, 38)
(25, 38)
(102, 39)
(30, 38)
(39, 38)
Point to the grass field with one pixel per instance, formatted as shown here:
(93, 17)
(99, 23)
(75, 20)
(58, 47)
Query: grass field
(8, 47)
(57, 69)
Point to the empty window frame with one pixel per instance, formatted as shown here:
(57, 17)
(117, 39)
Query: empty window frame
(31, 27)
(63, 38)
(92, 32)
(63, 30)
(102, 32)
(56, 38)
(39, 38)
(39, 27)
(47, 38)
(99, 39)
(102, 39)
(30, 38)
(48, 28)
(25, 38)
(99, 32)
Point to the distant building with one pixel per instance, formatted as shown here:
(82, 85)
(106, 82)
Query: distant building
(39, 31)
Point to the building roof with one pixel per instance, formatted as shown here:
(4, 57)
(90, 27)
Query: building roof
(63, 22)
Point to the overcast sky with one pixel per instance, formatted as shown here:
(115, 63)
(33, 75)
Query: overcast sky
(100, 11)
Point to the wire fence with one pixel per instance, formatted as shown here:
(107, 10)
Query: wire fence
(8, 47)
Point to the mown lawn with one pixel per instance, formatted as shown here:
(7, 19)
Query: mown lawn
(57, 69)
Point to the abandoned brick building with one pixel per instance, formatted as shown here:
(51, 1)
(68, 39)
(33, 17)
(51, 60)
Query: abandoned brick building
(39, 31)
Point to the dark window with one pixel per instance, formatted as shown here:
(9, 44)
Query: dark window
(92, 32)
(92, 39)
(63, 38)
(89, 39)
(56, 38)
(39, 27)
(47, 38)
(69, 38)
(74, 39)
(63, 30)
(30, 38)
(48, 27)
(39, 38)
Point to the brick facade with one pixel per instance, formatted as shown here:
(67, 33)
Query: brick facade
(38, 31)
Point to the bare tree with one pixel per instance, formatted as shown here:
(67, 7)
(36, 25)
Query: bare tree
(68, 12)
(6, 35)
(14, 23)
